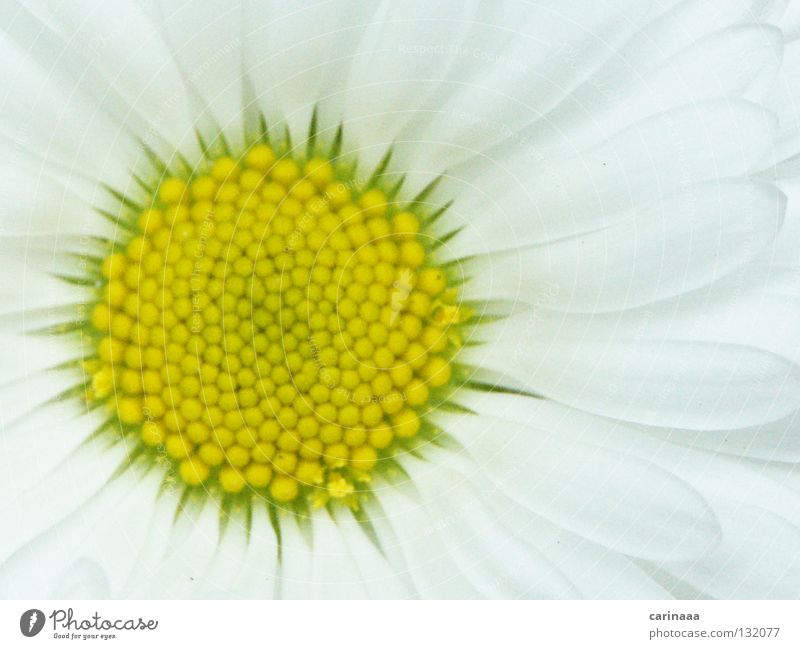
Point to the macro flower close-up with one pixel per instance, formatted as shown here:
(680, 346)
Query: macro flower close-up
(448, 300)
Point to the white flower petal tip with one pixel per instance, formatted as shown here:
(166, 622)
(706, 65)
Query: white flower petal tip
(84, 579)
(757, 559)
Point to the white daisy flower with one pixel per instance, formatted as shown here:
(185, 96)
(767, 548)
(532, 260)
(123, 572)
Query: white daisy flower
(420, 299)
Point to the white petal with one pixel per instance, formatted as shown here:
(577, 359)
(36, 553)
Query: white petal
(660, 378)
(526, 553)
(205, 42)
(747, 498)
(650, 77)
(83, 579)
(407, 529)
(45, 202)
(531, 199)
(335, 573)
(58, 492)
(296, 560)
(715, 476)
(491, 542)
(789, 20)
(757, 558)
(116, 56)
(758, 512)
(38, 442)
(595, 571)
(784, 99)
(389, 80)
(298, 56)
(65, 132)
(756, 503)
(677, 245)
(257, 575)
(92, 552)
(178, 557)
(775, 441)
(220, 579)
(35, 387)
(613, 499)
(382, 574)
(683, 22)
(515, 64)
(145, 580)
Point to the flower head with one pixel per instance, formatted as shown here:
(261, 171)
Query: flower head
(270, 326)
(403, 300)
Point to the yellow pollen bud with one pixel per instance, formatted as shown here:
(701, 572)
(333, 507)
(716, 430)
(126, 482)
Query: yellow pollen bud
(284, 489)
(225, 170)
(231, 480)
(260, 157)
(171, 190)
(193, 471)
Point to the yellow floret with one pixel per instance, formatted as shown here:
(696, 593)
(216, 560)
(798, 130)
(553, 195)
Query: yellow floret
(405, 224)
(406, 424)
(284, 489)
(225, 170)
(153, 434)
(193, 471)
(285, 171)
(319, 172)
(172, 190)
(231, 480)
(260, 157)
(258, 475)
(373, 203)
(114, 265)
(431, 281)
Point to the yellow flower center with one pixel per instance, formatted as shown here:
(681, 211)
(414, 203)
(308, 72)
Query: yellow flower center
(273, 327)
